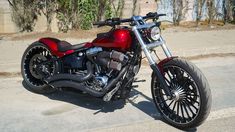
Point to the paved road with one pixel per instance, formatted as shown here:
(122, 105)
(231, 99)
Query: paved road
(22, 110)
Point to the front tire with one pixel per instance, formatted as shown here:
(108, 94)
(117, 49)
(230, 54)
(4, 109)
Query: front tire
(34, 55)
(192, 102)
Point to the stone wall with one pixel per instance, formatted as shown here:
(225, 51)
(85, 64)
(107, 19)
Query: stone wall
(131, 7)
(147, 6)
(8, 26)
(138, 7)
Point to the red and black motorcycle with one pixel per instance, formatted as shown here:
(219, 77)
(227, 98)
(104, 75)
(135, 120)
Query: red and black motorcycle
(106, 67)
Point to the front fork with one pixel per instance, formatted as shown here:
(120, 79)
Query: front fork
(152, 63)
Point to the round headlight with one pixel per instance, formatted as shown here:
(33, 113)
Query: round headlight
(155, 33)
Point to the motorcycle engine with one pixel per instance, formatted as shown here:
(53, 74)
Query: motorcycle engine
(107, 64)
(102, 80)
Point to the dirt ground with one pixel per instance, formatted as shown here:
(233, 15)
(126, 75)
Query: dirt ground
(86, 34)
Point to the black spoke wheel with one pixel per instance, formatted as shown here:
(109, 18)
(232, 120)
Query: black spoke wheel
(36, 65)
(192, 97)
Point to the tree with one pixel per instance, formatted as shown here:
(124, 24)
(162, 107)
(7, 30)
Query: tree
(199, 6)
(117, 8)
(229, 10)
(24, 14)
(180, 7)
(68, 14)
(102, 4)
(48, 8)
(211, 11)
(88, 11)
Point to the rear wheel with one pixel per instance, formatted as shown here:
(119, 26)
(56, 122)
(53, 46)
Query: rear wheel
(36, 65)
(192, 102)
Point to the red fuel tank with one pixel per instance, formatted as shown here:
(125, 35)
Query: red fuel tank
(119, 39)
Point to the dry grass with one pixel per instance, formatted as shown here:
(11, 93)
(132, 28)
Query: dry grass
(81, 34)
(202, 26)
(10, 74)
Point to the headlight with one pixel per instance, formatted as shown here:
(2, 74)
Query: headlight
(155, 33)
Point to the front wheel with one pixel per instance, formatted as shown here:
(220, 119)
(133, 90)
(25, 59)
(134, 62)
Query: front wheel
(192, 102)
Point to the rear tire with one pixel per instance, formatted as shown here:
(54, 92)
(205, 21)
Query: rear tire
(35, 54)
(193, 95)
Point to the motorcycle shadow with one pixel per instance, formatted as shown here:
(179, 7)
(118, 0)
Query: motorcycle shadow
(80, 99)
(89, 102)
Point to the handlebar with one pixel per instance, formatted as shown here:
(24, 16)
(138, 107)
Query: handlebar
(118, 21)
(153, 15)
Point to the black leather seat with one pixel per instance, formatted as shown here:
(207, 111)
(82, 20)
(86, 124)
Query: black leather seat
(63, 46)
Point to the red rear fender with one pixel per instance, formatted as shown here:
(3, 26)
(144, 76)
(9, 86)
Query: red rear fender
(52, 44)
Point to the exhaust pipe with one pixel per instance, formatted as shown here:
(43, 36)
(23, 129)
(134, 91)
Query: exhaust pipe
(75, 85)
(80, 86)
(75, 78)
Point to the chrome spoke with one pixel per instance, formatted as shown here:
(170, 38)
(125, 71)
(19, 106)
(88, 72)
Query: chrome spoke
(186, 103)
(182, 111)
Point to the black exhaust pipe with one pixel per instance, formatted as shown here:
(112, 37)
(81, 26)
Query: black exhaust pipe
(75, 85)
(80, 86)
(76, 78)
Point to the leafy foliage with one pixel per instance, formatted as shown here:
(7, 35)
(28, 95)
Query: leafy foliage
(75, 14)
(88, 12)
(108, 10)
(71, 14)
(64, 14)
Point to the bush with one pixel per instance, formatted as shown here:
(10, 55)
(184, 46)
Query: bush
(24, 14)
(88, 10)
(71, 14)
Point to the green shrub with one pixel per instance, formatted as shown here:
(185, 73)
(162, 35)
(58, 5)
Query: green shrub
(88, 12)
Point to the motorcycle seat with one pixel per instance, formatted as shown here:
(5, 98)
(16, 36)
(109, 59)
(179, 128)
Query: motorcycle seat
(64, 46)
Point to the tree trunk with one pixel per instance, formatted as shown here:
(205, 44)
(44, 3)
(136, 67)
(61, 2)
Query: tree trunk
(225, 10)
(177, 6)
(49, 19)
(210, 11)
(101, 9)
(174, 11)
(233, 10)
(199, 6)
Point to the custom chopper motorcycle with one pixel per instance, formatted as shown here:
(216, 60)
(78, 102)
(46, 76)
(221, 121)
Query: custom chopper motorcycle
(105, 68)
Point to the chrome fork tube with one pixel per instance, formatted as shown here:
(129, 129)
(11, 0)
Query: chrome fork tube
(164, 48)
(143, 46)
(152, 63)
